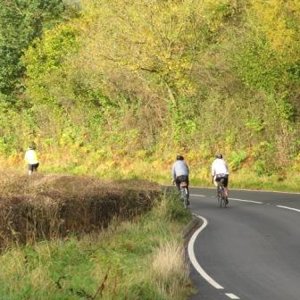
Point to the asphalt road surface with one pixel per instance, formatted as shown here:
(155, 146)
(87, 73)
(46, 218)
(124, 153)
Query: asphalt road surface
(249, 250)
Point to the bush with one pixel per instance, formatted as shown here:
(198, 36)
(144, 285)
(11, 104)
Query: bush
(45, 207)
(171, 207)
(236, 159)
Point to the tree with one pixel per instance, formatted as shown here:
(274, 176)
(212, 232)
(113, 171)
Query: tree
(21, 21)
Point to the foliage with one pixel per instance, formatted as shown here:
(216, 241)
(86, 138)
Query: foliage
(20, 23)
(52, 50)
(129, 80)
(268, 55)
(171, 207)
(236, 159)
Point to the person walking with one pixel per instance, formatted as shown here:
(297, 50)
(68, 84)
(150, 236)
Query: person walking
(31, 159)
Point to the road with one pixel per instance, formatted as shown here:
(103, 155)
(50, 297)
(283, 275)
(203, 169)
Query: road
(249, 250)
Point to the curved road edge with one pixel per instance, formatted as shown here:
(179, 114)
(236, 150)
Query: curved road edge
(190, 228)
(195, 263)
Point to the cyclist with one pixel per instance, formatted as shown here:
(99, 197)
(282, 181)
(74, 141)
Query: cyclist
(180, 172)
(31, 159)
(219, 170)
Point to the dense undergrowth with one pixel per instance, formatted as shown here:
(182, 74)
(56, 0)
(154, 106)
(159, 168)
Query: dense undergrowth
(140, 257)
(116, 89)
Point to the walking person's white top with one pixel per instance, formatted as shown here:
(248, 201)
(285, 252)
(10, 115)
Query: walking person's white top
(219, 166)
(31, 157)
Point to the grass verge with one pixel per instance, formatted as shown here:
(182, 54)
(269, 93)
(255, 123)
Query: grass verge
(138, 259)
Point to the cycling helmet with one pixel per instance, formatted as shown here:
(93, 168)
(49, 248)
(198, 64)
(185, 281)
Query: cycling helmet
(219, 155)
(179, 157)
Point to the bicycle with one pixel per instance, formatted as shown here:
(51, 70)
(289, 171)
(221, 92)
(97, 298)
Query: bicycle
(221, 196)
(184, 193)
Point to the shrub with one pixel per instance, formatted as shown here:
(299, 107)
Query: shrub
(45, 207)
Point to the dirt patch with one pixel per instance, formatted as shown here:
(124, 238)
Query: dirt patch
(54, 206)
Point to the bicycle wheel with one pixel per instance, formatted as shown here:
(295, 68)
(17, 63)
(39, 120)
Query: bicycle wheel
(184, 196)
(223, 200)
(220, 202)
(219, 195)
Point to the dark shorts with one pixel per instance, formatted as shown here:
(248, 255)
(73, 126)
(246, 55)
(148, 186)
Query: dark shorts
(224, 178)
(182, 178)
(33, 167)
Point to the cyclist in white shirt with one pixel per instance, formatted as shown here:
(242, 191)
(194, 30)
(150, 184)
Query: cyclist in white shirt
(219, 170)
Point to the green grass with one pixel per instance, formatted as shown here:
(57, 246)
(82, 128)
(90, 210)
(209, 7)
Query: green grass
(244, 177)
(123, 262)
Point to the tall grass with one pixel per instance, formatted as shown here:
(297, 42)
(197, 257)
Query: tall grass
(169, 268)
(140, 258)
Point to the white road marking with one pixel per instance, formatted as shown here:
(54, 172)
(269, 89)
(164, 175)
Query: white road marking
(251, 201)
(234, 199)
(198, 195)
(191, 244)
(287, 207)
(195, 263)
(242, 200)
(249, 190)
(232, 296)
(193, 259)
(266, 191)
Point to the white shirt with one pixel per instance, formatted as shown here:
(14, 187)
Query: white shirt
(219, 166)
(31, 157)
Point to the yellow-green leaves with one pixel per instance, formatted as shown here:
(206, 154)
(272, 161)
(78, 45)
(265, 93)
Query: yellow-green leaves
(47, 58)
(279, 20)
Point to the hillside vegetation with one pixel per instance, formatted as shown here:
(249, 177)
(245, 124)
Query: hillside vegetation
(117, 88)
